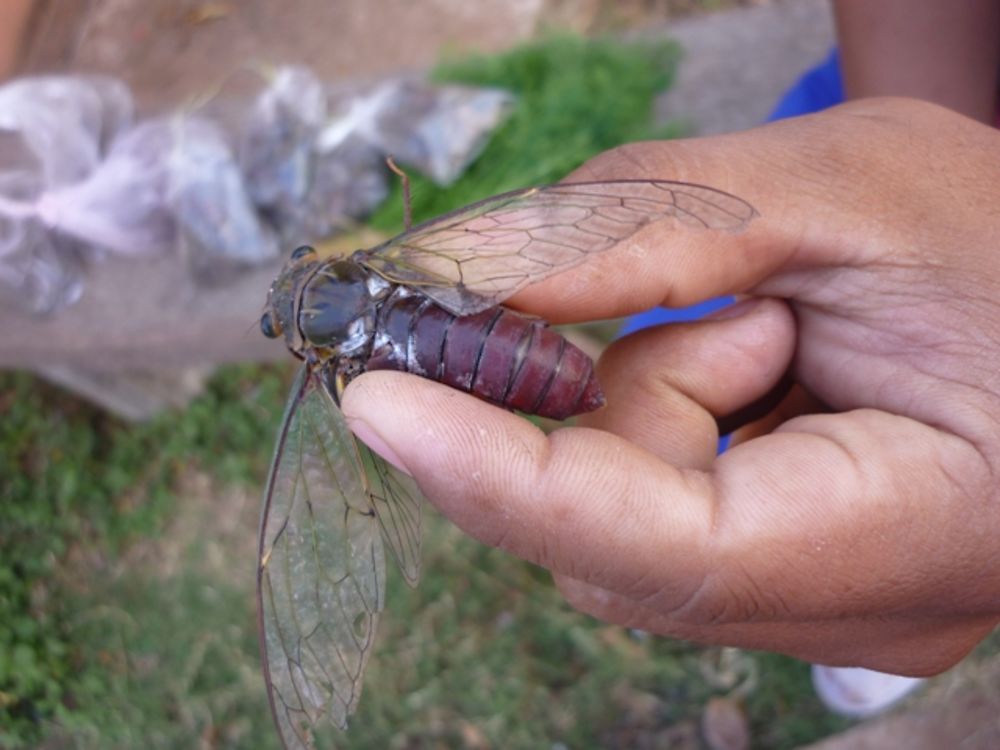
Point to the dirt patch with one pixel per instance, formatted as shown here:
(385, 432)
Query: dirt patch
(213, 532)
(170, 51)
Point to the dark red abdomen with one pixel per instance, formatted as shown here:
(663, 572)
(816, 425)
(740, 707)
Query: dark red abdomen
(501, 356)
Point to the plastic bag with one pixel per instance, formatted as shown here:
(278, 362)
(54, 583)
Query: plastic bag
(40, 272)
(438, 130)
(218, 227)
(78, 179)
(53, 132)
(305, 191)
(65, 122)
(347, 183)
(168, 182)
(46, 275)
(276, 143)
(121, 206)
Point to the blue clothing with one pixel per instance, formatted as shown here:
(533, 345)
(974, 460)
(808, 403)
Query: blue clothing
(819, 88)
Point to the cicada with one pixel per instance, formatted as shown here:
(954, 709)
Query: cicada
(427, 302)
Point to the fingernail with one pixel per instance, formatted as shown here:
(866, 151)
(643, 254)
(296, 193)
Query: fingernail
(735, 310)
(364, 432)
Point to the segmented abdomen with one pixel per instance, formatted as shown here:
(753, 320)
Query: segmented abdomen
(501, 356)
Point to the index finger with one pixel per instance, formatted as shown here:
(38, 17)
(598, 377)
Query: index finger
(665, 263)
(668, 264)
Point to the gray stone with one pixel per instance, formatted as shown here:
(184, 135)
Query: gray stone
(738, 63)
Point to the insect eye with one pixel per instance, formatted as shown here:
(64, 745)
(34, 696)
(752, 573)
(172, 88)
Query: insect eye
(268, 326)
(301, 252)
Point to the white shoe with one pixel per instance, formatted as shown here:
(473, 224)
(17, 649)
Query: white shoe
(857, 693)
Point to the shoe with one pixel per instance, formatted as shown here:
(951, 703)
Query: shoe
(858, 693)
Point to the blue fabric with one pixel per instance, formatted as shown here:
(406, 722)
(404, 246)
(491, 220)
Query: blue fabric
(659, 315)
(817, 89)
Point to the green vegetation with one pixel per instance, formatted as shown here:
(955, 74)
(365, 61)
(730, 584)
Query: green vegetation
(126, 579)
(79, 490)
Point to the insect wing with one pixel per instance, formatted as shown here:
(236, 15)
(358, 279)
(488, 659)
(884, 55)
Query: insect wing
(321, 567)
(476, 257)
(397, 506)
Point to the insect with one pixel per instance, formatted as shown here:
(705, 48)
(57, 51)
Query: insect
(427, 302)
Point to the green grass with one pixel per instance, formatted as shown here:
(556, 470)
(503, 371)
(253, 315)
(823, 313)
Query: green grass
(134, 624)
(80, 486)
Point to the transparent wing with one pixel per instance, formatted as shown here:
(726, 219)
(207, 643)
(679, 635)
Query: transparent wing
(321, 568)
(476, 257)
(397, 507)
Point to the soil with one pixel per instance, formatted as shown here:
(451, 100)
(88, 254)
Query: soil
(169, 51)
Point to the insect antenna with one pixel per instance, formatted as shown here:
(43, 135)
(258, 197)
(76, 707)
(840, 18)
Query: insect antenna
(407, 212)
(255, 324)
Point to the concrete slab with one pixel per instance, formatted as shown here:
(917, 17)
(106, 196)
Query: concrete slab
(171, 50)
(738, 63)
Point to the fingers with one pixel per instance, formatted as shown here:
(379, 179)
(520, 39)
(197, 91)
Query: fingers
(847, 515)
(668, 263)
(666, 386)
(901, 644)
(788, 526)
(542, 498)
(795, 402)
(836, 190)
(866, 516)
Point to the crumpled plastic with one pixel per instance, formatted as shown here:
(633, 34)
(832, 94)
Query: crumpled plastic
(120, 206)
(437, 130)
(52, 133)
(65, 122)
(170, 182)
(45, 279)
(218, 225)
(294, 162)
(306, 189)
(276, 143)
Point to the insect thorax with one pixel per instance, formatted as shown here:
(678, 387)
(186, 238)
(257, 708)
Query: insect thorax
(339, 307)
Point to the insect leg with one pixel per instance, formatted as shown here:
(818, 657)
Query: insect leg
(407, 213)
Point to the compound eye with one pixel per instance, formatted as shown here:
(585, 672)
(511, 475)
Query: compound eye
(268, 326)
(302, 252)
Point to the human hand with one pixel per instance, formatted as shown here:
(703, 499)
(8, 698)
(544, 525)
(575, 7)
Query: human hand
(857, 523)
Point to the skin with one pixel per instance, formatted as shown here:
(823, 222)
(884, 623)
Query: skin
(940, 51)
(14, 18)
(857, 523)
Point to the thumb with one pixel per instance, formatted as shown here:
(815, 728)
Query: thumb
(506, 483)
